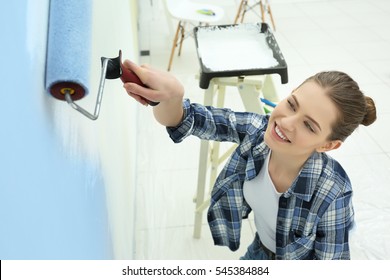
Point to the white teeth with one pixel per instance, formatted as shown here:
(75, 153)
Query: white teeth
(280, 134)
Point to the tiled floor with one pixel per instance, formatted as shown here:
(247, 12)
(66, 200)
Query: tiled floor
(348, 35)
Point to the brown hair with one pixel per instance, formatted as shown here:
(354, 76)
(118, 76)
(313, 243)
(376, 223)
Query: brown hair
(354, 107)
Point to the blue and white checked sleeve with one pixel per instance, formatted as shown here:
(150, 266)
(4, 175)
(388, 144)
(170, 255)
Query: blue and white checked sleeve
(219, 124)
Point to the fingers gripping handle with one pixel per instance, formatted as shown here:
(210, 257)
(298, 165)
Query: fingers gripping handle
(130, 76)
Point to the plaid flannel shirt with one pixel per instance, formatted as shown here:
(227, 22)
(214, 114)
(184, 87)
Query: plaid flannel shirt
(315, 214)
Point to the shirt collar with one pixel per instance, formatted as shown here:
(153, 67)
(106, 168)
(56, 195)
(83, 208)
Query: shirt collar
(305, 183)
(256, 160)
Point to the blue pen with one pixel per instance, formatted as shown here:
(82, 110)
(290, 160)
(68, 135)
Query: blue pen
(267, 102)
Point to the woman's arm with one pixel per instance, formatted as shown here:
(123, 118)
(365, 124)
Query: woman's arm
(161, 87)
(332, 240)
(184, 118)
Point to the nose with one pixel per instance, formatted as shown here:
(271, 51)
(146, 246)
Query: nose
(288, 123)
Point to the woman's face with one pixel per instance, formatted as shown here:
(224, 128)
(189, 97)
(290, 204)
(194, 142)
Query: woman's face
(302, 123)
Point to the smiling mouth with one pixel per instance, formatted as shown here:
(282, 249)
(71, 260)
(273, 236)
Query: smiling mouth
(280, 134)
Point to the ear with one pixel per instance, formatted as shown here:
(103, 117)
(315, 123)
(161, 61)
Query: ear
(328, 146)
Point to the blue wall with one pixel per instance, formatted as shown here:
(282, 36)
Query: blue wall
(52, 201)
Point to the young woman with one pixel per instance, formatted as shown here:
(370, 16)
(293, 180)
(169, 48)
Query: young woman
(301, 197)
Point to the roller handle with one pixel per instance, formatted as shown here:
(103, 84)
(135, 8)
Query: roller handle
(130, 76)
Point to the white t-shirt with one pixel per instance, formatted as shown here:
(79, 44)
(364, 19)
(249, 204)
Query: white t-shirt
(263, 198)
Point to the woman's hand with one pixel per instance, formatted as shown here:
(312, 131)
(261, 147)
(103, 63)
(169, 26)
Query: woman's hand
(160, 87)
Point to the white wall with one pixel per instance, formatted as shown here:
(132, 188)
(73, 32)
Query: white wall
(66, 182)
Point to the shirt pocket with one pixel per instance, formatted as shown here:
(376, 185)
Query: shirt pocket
(300, 245)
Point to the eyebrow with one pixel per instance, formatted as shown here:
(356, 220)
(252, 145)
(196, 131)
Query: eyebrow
(310, 118)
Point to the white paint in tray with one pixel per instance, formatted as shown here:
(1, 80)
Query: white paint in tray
(236, 47)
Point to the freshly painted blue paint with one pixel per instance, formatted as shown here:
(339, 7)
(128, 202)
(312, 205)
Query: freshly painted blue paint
(52, 202)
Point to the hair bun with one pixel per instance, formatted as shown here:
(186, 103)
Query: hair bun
(370, 116)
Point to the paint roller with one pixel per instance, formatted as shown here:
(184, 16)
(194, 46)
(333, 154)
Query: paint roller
(68, 56)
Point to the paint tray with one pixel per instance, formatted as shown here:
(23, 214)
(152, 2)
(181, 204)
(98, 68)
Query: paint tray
(245, 49)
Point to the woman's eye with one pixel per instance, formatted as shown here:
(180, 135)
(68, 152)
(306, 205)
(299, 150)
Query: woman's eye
(309, 126)
(291, 105)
